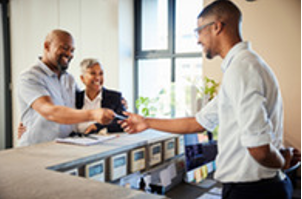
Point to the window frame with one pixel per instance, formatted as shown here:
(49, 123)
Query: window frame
(170, 53)
(7, 94)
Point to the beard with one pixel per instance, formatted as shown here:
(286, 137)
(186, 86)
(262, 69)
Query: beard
(63, 63)
(210, 51)
(209, 54)
(62, 68)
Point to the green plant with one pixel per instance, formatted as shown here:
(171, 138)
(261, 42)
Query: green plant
(164, 104)
(145, 106)
(158, 106)
(210, 87)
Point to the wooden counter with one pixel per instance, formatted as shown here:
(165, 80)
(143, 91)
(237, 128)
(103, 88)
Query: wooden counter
(29, 172)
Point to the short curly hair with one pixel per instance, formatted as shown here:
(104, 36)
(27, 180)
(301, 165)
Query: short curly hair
(88, 63)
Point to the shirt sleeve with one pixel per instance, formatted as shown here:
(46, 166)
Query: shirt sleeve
(251, 106)
(208, 116)
(31, 87)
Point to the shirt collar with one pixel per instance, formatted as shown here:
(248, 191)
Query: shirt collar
(230, 55)
(46, 69)
(98, 97)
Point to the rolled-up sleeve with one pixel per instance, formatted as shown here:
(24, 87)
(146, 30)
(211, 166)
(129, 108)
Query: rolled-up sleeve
(208, 116)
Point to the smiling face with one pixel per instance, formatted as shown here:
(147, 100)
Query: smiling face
(206, 36)
(58, 51)
(93, 78)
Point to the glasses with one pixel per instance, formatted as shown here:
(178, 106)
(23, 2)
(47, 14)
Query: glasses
(200, 28)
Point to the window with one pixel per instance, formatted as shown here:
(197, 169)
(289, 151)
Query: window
(167, 57)
(154, 24)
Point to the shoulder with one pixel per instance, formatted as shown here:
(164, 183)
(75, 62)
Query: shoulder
(33, 76)
(69, 80)
(108, 92)
(247, 64)
(70, 77)
(80, 93)
(246, 74)
(34, 72)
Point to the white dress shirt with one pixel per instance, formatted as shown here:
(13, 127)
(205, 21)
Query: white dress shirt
(248, 109)
(89, 105)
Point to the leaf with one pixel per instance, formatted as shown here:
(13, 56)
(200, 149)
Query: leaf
(145, 112)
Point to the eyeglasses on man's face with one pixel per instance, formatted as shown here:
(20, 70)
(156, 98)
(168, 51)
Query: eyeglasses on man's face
(200, 28)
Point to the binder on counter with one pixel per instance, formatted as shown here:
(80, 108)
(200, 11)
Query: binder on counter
(86, 141)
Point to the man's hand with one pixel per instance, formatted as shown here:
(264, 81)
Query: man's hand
(297, 157)
(292, 156)
(134, 123)
(21, 130)
(103, 115)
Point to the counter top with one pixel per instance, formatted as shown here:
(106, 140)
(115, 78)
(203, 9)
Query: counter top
(29, 172)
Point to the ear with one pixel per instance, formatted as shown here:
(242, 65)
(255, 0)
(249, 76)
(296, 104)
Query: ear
(46, 45)
(82, 78)
(218, 27)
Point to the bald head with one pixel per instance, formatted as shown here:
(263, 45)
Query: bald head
(55, 34)
(58, 50)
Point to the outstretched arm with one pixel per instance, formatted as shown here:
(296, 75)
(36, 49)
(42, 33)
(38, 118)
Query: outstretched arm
(66, 115)
(136, 123)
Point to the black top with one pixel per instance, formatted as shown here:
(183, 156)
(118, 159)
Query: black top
(110, 99)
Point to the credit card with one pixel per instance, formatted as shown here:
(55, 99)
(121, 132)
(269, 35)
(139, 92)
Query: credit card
(120, 117)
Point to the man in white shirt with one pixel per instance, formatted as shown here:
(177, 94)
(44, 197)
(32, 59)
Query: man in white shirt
(248, 109)
(46, 94)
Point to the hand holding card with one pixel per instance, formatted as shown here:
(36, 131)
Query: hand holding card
(120, 117)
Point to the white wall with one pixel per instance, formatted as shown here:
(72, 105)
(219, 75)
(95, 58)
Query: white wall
(126, 50)
(95, 27)
(274, 29)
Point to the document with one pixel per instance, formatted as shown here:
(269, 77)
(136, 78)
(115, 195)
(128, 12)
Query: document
(209, 196)
(216, 190)
(86, 141)
(147, 180)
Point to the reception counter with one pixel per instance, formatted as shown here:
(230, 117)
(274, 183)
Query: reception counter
(33, 171)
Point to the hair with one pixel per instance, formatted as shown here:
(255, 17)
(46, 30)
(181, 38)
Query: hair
(88, 63)
(223, 10)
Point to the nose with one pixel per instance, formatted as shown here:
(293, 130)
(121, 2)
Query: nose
(97, 78)
(198, 40)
